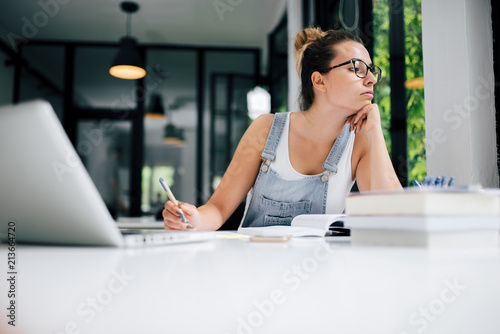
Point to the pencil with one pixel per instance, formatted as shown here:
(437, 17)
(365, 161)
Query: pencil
(172, 198)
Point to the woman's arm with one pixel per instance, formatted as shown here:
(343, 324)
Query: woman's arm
(374, 170)
(234, 186)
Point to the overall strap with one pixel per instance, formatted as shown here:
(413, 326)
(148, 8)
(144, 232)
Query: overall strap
(274, 136)
(333, 159)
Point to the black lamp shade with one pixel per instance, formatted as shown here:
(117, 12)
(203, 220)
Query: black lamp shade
(173, 135)
(128, 63)
(156, 110)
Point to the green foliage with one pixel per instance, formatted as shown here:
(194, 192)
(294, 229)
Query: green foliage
(414, 69)
(415, 97)
(381, 59)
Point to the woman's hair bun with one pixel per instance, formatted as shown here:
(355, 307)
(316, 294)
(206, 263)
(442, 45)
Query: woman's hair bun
(303, 39)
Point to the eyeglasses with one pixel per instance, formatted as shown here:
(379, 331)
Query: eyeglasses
(360, 69)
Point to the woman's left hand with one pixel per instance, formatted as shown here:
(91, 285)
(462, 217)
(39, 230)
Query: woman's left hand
(366, 120)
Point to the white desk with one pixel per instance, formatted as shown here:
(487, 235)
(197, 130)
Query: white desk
(238, 286)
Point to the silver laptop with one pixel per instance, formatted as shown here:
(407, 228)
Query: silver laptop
(46, 192)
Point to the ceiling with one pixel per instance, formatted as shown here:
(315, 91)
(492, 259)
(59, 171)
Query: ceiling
(244, 23)
(233, 23)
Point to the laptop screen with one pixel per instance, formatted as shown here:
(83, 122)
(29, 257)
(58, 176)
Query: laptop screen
(44, 187)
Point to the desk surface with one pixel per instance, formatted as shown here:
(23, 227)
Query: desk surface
(306, 285)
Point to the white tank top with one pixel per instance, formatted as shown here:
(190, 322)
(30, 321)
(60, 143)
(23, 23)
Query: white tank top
(339, 185)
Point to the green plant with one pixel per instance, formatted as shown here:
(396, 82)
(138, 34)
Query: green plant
(414, 69)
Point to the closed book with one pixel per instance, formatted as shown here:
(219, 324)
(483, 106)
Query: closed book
(423, 223)
(442, 239)
(306, 225)
(427, 231)
(425, 201)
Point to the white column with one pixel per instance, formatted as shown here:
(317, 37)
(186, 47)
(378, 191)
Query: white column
(294, 25)
(459, 90)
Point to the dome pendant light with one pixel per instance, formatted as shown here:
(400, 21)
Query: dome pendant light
(128, 63)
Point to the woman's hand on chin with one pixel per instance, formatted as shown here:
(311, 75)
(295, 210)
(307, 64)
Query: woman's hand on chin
(366, 120)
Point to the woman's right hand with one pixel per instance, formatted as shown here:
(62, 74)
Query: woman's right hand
(173, 221)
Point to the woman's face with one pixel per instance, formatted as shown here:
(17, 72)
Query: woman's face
(344, 89)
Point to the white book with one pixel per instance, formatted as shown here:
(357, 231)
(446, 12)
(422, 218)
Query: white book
(426, 201)
(423, 223)
(306, 225)
(426, 231)
(441, 239)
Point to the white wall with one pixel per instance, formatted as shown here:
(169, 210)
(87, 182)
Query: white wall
(459, 90)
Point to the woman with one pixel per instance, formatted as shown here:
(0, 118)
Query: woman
(305, 162)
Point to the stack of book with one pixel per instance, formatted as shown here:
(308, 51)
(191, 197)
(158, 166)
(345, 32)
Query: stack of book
(468, 216)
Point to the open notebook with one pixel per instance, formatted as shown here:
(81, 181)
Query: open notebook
(46, 192)
(305, 225)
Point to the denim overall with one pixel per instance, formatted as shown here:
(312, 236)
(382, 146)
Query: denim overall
(276, 201)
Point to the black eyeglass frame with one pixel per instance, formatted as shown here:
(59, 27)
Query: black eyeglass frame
(372, 69)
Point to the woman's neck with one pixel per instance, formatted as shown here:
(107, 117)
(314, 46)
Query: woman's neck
(323, 122)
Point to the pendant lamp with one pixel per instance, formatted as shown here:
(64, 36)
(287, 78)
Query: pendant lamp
(156, 109)
(173, 135)
(128, 63)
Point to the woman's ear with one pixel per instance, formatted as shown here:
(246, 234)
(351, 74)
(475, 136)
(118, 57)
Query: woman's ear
(317, 81)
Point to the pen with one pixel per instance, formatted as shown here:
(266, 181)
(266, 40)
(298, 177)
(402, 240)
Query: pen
(172, 198)
(425, 181)
(430, 181)
(452, 179)
(443, 181)
(437, 182)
